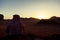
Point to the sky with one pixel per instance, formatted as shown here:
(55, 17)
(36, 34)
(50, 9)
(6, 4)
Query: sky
(42, 9)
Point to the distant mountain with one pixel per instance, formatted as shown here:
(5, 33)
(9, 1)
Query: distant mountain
(53, 20)
(29, 21)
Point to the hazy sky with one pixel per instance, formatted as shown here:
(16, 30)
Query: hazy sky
(30, 8)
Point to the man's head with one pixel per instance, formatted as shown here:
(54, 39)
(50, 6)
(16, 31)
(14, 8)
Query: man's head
(16, 17)
(1, 17)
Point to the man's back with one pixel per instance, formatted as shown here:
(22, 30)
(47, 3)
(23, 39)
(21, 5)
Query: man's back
(15, 27)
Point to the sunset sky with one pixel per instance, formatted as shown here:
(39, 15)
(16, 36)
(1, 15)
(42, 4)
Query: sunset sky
(30, 8)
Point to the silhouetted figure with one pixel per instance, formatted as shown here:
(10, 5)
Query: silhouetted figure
(15, 28)
(1, 17)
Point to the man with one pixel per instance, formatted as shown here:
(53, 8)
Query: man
(15, 28)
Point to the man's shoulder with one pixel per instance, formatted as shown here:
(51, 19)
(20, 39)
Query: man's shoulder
(11, 23)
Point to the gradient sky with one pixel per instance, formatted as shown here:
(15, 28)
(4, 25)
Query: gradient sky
(30, 8)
